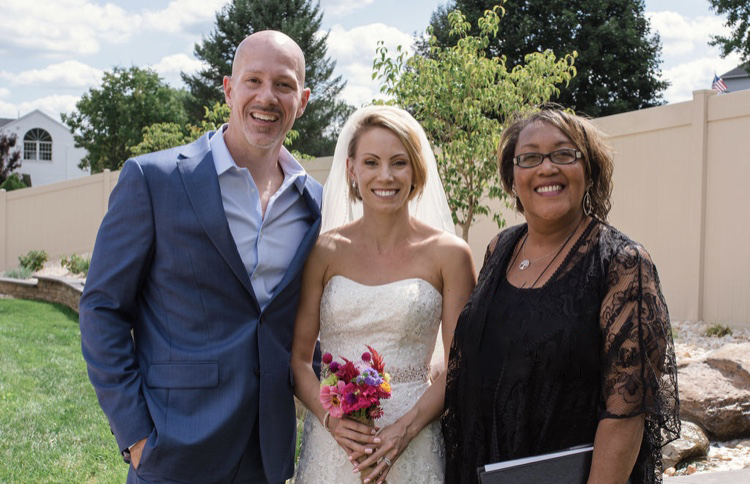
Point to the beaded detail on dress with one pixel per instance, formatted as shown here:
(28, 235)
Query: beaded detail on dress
(401, 321)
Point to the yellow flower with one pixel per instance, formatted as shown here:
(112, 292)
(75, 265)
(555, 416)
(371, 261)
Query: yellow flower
(385, 386)
(387, 377)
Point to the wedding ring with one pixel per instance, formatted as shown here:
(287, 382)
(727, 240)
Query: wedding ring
(387, 461)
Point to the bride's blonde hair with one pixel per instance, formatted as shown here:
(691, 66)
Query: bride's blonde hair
(392, 120)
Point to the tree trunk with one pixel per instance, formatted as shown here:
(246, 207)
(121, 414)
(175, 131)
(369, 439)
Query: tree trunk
(465, 230)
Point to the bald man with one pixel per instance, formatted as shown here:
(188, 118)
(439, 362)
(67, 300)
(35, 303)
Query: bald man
(188, 310)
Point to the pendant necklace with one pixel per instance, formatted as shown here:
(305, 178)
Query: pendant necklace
(525, 263)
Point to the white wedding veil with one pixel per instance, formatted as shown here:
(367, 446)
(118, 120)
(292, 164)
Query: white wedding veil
(338, 209)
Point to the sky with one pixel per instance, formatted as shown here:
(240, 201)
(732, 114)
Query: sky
(53, 51)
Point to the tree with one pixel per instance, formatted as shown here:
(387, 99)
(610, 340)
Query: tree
(619, 56)
(13, 182)
(109, 120)
(300, 20)
(738, 19)
(462, 97)
(10, 158)
(162, 136)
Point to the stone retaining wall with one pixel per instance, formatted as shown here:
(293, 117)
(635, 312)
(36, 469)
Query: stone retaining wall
(66, 291)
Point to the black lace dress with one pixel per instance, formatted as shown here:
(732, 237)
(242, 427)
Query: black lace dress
(533, 371)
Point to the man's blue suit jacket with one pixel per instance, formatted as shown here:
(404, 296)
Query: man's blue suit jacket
(206, 363)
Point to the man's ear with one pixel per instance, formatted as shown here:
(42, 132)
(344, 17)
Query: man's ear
(227, 83)
(304, 98)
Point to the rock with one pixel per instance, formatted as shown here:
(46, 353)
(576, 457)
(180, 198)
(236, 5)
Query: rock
(733, 360)
(715, 393)
(670, 471)
(691, 469)
(692, 443)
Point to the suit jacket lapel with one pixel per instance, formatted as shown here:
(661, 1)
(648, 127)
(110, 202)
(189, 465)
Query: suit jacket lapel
(201, 182)
(304, 246)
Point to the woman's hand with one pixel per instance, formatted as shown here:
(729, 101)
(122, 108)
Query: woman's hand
(357, 439)
(394, 440)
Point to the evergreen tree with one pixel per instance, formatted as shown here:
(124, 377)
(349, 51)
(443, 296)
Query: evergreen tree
(10, 156)
(738, 19)
(300, 20)
(618, 55)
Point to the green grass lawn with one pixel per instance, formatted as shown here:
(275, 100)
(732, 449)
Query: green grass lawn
(51, 427)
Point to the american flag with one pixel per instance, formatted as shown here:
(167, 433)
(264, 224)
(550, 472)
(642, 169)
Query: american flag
(718, 84)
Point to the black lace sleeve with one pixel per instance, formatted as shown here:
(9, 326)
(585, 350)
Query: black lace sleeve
(638, 361)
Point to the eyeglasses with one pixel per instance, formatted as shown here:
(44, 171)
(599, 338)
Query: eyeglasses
(564, 156)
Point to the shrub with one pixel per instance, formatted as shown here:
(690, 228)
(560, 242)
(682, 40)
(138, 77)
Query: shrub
(19, 273)
(76, 264)
(718, 331)
(13, 182)
(34, 260)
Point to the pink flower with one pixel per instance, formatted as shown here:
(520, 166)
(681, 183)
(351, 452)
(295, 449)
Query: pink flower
(327, 358)
(332, 398)
(355, 398)
(366, 356)
(370, 391)
(347, 371)
(375, 413)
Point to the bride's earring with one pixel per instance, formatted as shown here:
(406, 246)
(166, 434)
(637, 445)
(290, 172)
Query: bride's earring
(355, 189)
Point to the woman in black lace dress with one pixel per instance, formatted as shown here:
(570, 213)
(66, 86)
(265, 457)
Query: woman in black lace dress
(566, 339)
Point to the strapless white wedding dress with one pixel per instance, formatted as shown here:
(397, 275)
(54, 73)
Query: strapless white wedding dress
(400, 320)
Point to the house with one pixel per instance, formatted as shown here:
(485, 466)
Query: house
(736, 80)
(49, 154)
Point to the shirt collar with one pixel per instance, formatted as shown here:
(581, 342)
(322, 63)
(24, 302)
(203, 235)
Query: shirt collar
(292, 169)
(223, 161)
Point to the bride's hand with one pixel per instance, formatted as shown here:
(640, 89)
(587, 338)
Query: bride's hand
(356, 438)
(394, 441)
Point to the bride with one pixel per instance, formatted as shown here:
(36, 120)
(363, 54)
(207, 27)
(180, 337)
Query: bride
(385, 272)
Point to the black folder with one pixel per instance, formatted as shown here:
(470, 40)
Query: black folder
(570, 466)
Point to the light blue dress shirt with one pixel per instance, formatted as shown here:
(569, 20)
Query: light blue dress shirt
(267, 243)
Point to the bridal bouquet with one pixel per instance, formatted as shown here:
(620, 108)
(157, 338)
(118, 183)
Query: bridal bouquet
(355, 389)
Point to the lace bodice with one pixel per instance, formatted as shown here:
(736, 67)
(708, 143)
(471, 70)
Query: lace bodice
(401, 321)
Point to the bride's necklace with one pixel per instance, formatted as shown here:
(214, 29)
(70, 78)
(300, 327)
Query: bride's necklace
(525, 263)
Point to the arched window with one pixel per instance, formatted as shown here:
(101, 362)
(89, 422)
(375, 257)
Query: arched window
(37, 145)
